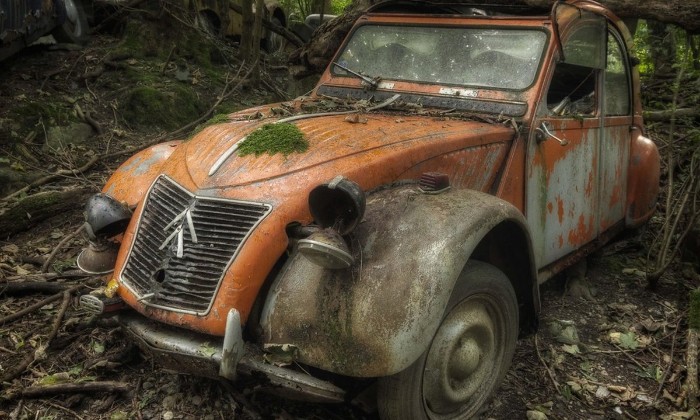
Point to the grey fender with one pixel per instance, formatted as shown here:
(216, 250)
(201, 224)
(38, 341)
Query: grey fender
(378, 316)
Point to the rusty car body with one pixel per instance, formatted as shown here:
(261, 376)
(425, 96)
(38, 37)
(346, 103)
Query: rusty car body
(23, 22)
(457, 158)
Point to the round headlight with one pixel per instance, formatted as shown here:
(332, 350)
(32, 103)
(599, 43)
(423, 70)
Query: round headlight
(339, 204)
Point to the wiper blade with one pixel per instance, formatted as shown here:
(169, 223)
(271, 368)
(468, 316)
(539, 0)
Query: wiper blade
(372, 81)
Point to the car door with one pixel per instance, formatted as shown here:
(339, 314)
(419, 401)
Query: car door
(563, 191)
(616, 129)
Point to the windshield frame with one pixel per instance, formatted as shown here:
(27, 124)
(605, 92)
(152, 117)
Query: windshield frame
(474, 24)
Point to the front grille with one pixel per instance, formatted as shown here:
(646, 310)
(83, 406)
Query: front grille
(172, 268)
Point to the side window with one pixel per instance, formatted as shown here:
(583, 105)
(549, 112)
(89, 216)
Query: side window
(572, 90)
(617, 90)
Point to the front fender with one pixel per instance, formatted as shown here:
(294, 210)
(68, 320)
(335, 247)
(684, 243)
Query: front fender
(379, 316)
(642, 181)
(130, 182)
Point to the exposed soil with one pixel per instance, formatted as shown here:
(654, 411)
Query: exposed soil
(620, 355)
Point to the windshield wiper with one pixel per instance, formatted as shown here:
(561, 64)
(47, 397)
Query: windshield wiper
(372, 81)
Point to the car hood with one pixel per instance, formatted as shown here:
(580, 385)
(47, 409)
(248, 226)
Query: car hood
(339, 144)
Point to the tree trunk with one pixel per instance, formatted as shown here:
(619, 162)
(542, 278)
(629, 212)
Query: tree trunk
(246, 47)
(315, 55)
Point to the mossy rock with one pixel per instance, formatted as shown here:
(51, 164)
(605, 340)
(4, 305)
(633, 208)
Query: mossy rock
(147, 106)
(51, 113)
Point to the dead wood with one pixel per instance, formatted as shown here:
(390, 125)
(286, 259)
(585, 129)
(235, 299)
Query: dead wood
(666, 115)
(29, 287)
(35, 208)
(70, 388)
(47, 276)
(14, 316)
(691, 383)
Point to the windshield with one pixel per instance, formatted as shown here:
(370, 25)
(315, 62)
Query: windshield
(499, 58)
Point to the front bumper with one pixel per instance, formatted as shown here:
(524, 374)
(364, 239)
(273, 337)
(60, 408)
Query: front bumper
(204, 355)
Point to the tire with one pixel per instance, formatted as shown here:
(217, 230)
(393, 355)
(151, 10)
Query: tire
(468, 356)
(75, 29)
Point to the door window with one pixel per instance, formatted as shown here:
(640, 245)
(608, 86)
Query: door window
(617, 90)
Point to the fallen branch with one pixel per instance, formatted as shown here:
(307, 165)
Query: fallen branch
(27, 287)
(14, 316)
(71, 274)
(30, 210)
(70, 388)
(666, 115)
(549, 371)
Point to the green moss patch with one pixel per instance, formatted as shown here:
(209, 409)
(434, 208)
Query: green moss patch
(281, 138)
(147, 106)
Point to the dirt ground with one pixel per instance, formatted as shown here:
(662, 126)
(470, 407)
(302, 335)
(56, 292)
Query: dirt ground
(618, 354)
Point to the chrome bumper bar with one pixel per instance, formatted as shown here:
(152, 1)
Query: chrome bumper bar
(204, 355)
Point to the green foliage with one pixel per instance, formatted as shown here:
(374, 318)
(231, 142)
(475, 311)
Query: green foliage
(281, 138)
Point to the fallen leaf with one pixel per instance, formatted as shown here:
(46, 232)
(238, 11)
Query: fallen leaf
(11, 249)
(628, 340)
(571, 349)
(602, 392)
(568, 335)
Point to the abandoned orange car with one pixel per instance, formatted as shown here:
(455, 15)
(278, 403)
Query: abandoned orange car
(392, 228)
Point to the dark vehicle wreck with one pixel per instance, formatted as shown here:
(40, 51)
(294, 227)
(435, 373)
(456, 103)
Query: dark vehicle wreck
(23, 22)
(470, 155)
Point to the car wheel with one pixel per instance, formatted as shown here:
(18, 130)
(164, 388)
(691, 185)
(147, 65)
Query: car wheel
(468, 356)
(75, 28)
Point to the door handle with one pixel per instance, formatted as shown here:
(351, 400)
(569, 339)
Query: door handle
(543, 133)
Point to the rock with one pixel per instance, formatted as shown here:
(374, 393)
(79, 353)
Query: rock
(169, 402)
(58, 139)
(535, 415)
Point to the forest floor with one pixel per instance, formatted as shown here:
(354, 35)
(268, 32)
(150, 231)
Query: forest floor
(619, 355)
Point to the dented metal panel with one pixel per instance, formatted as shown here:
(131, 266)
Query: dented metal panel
(378, 317)
(562, 189)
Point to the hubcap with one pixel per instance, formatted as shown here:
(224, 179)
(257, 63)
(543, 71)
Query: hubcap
(461, 365)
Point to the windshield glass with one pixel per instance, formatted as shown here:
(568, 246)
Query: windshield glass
(499, 58)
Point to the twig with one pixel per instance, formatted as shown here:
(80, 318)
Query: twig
(670, 363)
(549, 371)
(60, 246)
(66, 409)
(16, 315)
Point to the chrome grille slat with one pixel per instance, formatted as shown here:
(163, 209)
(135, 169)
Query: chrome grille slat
(186, 284)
